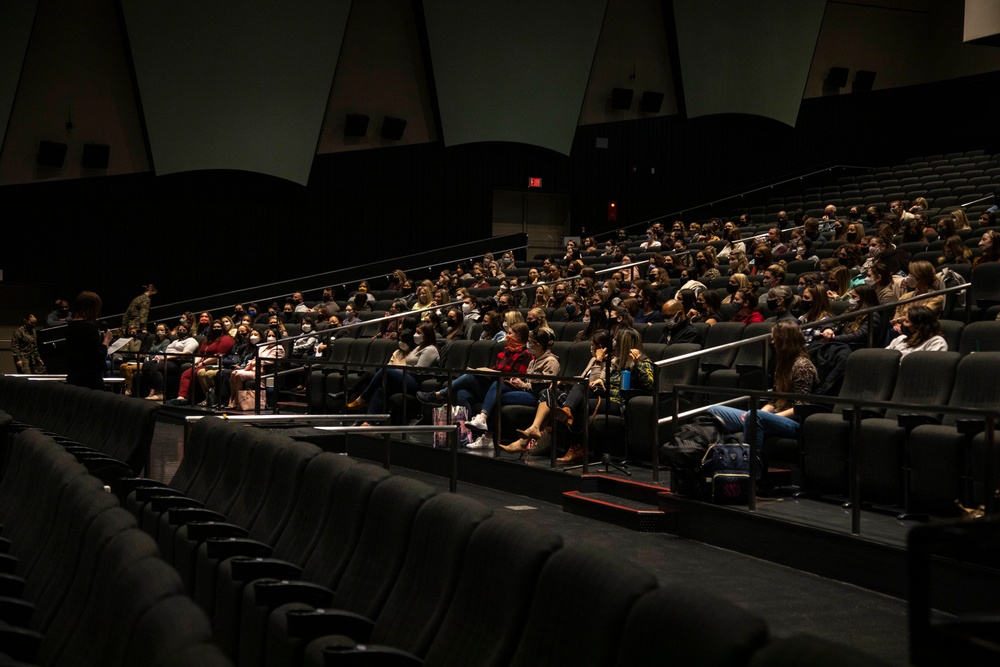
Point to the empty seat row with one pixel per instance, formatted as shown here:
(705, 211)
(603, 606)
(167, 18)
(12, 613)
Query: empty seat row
(379, 565)
(110, 433)
(82, 585)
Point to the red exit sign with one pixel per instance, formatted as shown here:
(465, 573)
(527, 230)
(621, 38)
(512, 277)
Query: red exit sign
(534, 182)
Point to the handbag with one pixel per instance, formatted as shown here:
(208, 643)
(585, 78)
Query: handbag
(244, 399)
(458, 416)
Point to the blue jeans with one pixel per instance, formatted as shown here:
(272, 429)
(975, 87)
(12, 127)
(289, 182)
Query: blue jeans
(768, 424)
(467, 389)
(393, 385)
(508, 396)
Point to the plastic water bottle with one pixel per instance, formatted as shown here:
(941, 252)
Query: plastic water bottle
(626, 380)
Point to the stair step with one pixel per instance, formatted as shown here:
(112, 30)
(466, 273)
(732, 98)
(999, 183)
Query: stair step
(623, 487)
(293, 406)
(628, 513)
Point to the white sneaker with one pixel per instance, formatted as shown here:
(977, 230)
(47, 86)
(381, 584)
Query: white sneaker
(477, 423)
(482, 442)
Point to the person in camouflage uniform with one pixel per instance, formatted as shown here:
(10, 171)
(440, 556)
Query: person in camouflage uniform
(24, 347)
(137, 313)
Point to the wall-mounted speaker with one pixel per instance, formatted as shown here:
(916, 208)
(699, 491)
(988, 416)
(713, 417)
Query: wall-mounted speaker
(651, 102)
(392, 128)
(863, 81)
(837, 77)
(621, 98)
(51, 154)
(95, 156)
(356, 125)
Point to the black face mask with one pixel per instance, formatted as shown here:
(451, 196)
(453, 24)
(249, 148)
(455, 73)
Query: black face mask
(215, 333)
(532, 324)
(732, 288)
(772, 304)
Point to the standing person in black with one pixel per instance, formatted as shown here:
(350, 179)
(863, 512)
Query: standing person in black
(87, 347)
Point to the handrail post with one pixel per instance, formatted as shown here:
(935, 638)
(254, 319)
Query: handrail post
(752, 486)
(855, 469)
(990, 502)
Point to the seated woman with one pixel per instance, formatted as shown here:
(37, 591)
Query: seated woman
(536, 319)
(264, 356)
(417, 350)
(218, 343)
(745, 303)
(990, 245)
(794, 373)
(734, 241)
(515, 391)
(536, 439)
(706, 308)
(472, 387)
(493, 327)
(596, 318)
(921, 280)
(574, 410)
(176, 353)
(705, 264)
(305, 346)
(781, 303)
(919, 331)
(244, 348)
(389, 329)
(955, 252)
(838, 283)
(737, 281)
(855, 332)
(817, 306)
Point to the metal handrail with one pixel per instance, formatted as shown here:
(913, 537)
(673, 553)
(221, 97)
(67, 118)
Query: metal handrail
(988, 416)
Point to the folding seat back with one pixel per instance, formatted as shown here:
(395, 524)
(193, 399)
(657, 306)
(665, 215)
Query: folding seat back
(373, 566)
(652, 333)
(570, 331)
(721, 334)
(134, 435)
(488, 613)
(980, 337)
(684, 619)
(427, 581)
(576, 360)
(265, 524)
(925, 378)
(484, 353)
(986, 284)
(171, 625)
(561, 627)
(306, 523)
(455, 353)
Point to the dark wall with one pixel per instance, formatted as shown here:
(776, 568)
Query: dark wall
(202, 233)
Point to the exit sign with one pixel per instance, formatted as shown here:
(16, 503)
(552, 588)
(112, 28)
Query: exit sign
(534, 182)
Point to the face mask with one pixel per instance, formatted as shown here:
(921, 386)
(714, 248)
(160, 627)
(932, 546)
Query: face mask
(466, 309)
(869, 281)
(801, 289)
(184, 321)
(570, 309)
(274, 327)
(772, 304)
(505, 327)
(874, 251)
(216, 333)
(418, 339)
(738, 305)
(404, 347)
(673, 322)
(853, 303)
(271, 339)
(254, 339)
(732, 288)
(506, 260)
(911, 281)
(532, 324)
(182, 335)
(306, 328)
(844, 261)
(905, 329)
(252, 312)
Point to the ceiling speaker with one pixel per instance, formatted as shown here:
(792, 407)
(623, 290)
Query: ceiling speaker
(356, 125)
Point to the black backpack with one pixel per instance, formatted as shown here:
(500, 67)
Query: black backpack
(690, 442)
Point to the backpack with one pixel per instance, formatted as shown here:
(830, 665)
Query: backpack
(690, 442)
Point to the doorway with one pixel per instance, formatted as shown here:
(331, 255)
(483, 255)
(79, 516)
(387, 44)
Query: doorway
(543, 216)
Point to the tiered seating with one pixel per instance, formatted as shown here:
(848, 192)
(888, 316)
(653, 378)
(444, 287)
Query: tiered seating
(109, 433)
(82, 585)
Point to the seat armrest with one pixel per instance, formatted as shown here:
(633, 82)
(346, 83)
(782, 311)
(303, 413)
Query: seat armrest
(970, 426)
(11, 585)
(146, 493)
(130, 484)
(383, 656)
(243, 568)
(15, 611)
(848, 414)
(221, 547)
(7, 563)
(272, 593)
(199, 531)
(743, 369)
(20, 644)
(164, 503)
(707, 367)
(182, 515)
(309, 624)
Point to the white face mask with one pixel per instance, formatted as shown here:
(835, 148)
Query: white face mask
(418, 339)
(466, 308)
(254, 339)
(306, 328)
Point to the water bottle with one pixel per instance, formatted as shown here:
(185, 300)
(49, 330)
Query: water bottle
(626, 380)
